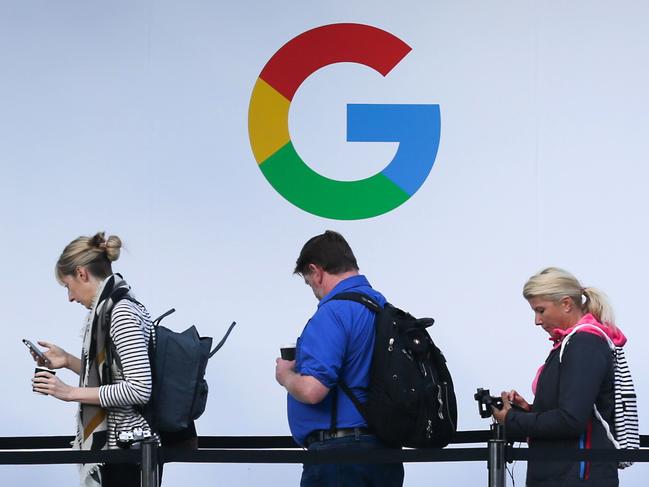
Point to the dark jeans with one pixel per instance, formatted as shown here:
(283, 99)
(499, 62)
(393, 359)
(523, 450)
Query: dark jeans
(123, 475)
(351, 475)
(120, 475)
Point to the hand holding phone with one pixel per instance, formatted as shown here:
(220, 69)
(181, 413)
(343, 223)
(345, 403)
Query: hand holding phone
(37, 353)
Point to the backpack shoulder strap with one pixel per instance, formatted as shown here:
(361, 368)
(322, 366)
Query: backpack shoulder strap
(603, 422)
(359, 298)
(372, 305)
(564, 342)
(111, 350)
(350, 394)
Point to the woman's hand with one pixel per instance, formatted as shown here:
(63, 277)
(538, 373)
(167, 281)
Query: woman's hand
(510, 398)
(57, 357)
(515, 398)
(49, 384)
(500, 414)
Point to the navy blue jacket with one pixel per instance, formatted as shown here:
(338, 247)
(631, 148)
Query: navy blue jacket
(562, 414)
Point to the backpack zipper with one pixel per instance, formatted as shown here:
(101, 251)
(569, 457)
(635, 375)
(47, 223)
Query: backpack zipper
(440, 412)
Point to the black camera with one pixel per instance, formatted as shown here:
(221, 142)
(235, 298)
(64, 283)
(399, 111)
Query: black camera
(486, 401)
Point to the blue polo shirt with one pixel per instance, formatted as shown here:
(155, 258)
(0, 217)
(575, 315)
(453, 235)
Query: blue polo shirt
(336, 344)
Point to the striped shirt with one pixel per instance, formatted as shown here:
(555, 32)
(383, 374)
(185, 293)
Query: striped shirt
(130, 329)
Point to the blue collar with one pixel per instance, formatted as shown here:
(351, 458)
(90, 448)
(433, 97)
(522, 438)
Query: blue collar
(345, 285)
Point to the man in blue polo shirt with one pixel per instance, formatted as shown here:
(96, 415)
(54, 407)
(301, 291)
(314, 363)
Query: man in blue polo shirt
(336, 345)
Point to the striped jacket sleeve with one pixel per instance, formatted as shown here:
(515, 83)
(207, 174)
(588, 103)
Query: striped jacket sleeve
(130, 340)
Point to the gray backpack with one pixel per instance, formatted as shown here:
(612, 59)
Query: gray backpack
(178, 362)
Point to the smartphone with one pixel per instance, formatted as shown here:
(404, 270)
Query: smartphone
(36, 350)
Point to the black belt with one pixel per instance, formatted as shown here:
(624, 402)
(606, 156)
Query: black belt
(323, 435)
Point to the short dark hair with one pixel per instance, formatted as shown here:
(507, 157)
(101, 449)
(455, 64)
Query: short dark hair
(330, 251)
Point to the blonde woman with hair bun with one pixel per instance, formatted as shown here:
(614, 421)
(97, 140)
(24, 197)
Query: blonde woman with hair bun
(113, 367)
(569, 383)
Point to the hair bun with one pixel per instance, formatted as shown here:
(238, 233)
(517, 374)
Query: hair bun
(113, 247)
(98, 241)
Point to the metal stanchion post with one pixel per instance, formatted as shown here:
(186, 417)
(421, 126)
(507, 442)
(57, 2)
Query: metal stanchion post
(149, 465)
(496, 460)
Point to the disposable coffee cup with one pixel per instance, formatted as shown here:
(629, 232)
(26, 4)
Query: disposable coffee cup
(287, 351)
(42, 369)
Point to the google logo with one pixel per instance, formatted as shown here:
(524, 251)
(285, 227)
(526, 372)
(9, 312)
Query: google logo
(415, 127)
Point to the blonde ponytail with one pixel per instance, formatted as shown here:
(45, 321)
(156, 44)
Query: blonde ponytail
(598, 305)
(554, 284)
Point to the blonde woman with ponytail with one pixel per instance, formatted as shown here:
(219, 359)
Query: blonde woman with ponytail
(113, 368)
(569, 383)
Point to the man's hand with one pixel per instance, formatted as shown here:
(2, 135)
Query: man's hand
(304, 388)
(283, 369)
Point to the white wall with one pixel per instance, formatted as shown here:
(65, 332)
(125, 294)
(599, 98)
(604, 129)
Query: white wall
(131, 117)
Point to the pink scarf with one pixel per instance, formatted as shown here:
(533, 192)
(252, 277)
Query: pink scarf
(616, 336)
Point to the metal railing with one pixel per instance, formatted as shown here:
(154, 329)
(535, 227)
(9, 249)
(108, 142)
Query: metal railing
(45, 450)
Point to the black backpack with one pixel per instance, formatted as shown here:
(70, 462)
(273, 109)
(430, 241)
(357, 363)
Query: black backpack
(410, 399)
